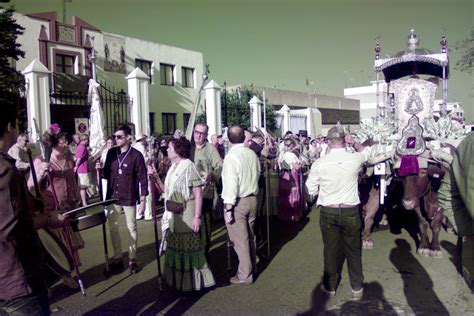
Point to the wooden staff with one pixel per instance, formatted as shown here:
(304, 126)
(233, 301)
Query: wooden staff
(267, 206)
(153, 192)
(189, 129)
(33, 174)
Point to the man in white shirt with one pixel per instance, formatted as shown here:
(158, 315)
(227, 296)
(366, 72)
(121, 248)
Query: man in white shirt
(240, 175)
(335, 178)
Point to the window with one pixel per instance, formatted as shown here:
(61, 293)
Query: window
(169, 123)
(65, 64)
(166, 74)
(186, 117)
(144, 65)
(188, 77)
(152, 123)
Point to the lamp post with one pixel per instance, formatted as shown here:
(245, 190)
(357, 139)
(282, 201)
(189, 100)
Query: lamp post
(225, 105)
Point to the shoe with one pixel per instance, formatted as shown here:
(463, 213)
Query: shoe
(140, 216)
(116, 265)
(70, 282)
(330, 293)
(236, 280)
(357, 295)
(148, 218)
(132, 264)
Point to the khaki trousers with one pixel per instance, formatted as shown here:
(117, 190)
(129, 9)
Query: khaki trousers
(241, 233)
(130, 218)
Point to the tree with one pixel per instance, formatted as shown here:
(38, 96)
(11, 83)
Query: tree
(10, 51)
(235, 107)
(466, 48)
(11, 80)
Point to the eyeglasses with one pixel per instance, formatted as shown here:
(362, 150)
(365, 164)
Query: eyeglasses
(119, 136)
(200, 133)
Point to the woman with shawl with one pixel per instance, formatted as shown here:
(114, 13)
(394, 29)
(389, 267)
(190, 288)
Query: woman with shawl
(186, 267)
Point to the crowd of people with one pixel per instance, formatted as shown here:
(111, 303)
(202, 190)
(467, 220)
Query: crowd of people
(199, 183)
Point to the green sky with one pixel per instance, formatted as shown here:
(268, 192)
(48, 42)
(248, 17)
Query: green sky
(330, 42)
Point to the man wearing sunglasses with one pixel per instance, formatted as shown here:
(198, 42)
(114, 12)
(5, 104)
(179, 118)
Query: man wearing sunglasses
(209, 164)
(127, 182)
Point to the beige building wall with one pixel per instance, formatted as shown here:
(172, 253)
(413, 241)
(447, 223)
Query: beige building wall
(163, 98)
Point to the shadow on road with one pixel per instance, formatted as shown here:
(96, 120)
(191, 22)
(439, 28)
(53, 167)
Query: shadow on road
(96, 274)
(145, 298)
(454, 253)
(281, 233)
(373, 302)
(417, 284)
(319, 300)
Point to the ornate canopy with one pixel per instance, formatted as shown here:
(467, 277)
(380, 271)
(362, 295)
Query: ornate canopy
(413, 61)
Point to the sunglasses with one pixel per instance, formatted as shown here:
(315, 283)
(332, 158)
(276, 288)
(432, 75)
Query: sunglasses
(119, 136)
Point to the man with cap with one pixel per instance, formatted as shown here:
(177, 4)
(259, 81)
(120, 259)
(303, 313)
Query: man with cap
(334, 178)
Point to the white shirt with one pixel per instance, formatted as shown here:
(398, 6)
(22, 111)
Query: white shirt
(240, 174)
(335, 176)
(289, 158)
(141, 148)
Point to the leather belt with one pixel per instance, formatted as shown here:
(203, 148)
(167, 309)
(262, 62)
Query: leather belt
(340, 206)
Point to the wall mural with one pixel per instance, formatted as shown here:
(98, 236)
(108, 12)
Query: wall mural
(114, 49)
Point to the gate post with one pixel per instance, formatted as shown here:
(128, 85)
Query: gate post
(255, 113)
(313, 122)
(213, 108)
(286, 118)
(138, 83)
(37, 98)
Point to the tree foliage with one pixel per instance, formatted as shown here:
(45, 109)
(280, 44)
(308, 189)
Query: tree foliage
(235, 108)
(10, 51)
(466, 48)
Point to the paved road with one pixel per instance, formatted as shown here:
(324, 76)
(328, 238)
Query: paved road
(397, 280)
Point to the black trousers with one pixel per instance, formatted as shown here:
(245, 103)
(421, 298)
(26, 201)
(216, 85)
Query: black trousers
(341, 231)
(206, 224)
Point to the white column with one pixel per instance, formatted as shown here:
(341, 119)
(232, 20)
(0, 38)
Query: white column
(313, 122)
(213, 108)
(256, 113)
(138, 83)
(286, 118)
(37, 99)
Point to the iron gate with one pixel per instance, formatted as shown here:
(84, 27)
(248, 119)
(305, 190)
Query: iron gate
(66, 106)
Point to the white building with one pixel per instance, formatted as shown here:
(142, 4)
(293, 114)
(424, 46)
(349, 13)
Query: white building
(456, 109)
(322, 110)
(367, 96)
(175, 73)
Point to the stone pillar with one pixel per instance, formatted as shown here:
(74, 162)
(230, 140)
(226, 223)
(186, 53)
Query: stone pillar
(286, 118)
(213, 108)
(255, 113)
(138, 83)
(313, 122)
(37, 99)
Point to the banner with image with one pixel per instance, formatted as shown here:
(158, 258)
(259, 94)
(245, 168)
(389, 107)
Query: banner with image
(114, 50)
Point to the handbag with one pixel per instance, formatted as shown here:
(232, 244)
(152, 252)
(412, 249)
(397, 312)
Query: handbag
(174, 207)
